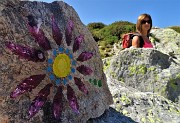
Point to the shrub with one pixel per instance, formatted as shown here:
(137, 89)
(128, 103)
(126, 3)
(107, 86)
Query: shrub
(176, 28)
(98, 25)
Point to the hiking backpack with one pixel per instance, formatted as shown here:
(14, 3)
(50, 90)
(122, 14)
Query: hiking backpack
(127, 40)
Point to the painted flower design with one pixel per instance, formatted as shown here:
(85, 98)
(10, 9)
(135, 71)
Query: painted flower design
(61, 66)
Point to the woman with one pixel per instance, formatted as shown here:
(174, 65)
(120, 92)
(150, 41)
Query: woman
(143, 27)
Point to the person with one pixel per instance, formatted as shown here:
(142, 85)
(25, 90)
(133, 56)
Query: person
(143, 27)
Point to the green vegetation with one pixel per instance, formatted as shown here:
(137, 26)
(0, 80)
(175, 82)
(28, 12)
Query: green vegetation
(106, 64)
(125, 100)
(107, 35)
(176, 28)
(138, 69)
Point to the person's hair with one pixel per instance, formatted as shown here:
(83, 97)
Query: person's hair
(139, 22)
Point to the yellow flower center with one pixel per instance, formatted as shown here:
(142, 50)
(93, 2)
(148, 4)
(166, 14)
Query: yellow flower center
(61, 65)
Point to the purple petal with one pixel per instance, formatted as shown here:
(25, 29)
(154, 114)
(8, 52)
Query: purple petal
(26, 52)
(57, 35)
(77, 42)
(84, 70)
(72, 99)
(80, 85)
(84, 56)
(27, 85)
(45, 91)
(57, 103)
(36, 105)
(39, 36)
(39, 101)
(68, 32)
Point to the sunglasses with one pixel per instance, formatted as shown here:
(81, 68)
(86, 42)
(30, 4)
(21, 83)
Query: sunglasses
(145, 21)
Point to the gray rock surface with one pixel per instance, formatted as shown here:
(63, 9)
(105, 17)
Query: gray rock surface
(169, 42)
(147, 70)
(143, 107)
(111, 116)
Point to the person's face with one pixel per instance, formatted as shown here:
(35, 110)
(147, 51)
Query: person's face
(145, 24)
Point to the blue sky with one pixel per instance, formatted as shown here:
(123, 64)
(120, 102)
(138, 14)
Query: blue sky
(164, 13)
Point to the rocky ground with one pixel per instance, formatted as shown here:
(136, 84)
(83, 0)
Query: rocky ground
(133, 106)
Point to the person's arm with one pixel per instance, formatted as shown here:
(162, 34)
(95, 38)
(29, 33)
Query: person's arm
(135, 41)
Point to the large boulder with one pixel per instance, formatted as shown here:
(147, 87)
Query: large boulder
(147, 70)
(50, 66)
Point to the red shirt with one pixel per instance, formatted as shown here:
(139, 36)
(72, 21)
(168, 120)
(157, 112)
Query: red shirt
(147, 44)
